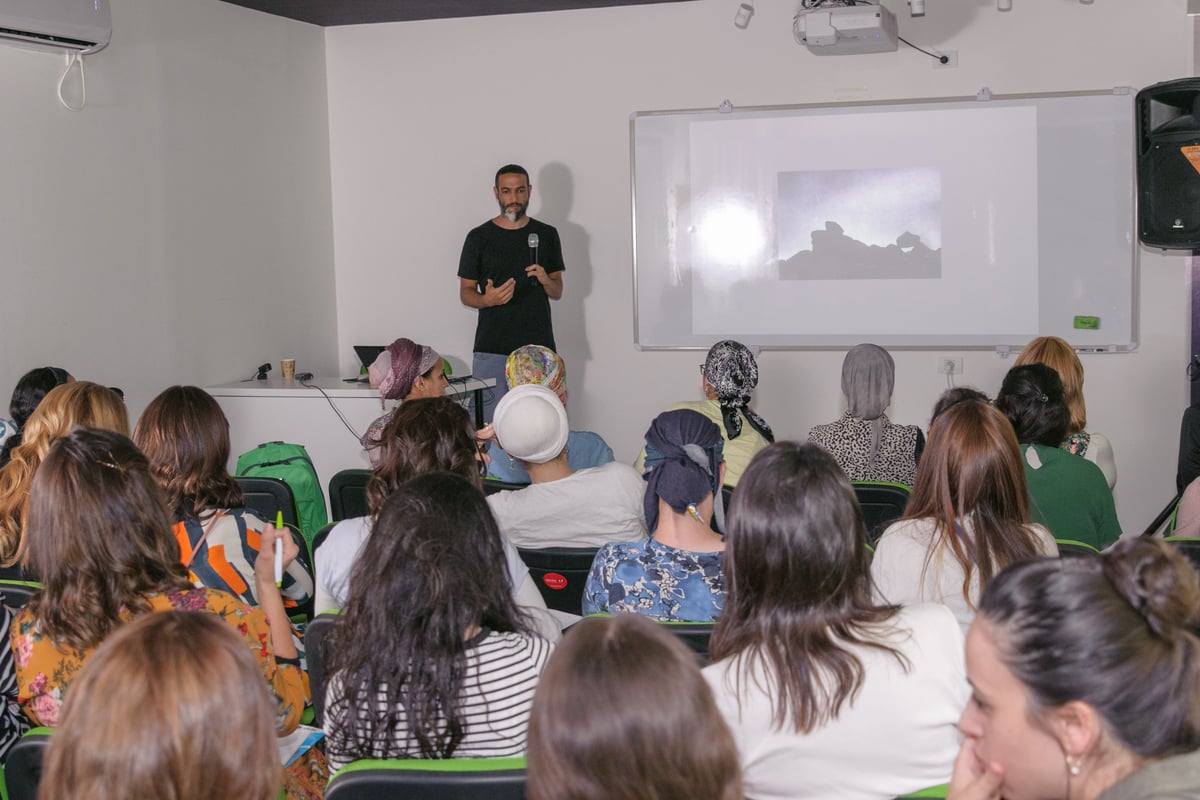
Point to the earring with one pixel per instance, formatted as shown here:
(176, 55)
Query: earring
(1073, 765)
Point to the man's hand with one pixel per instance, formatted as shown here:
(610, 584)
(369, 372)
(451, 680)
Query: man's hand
(499, 295)
(551, 282)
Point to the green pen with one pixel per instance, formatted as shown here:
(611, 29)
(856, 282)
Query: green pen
(279, 550)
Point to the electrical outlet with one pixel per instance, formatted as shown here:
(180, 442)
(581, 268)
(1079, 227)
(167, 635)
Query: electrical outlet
(951, 60)
(947, 365)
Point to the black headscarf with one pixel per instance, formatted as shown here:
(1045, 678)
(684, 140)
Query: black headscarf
(684, 451)
(732, 372)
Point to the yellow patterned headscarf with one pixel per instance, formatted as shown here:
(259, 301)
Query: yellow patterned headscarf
(537, 365)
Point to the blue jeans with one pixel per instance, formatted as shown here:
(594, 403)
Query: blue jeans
(489, 365)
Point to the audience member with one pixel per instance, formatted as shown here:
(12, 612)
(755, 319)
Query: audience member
(967, 519)
(728, 376)
(563, 507)
(424, 435)
(404, 371)
(64, 407)
(1069, 495)
(1188, 468)
(535, 364)
(1059, 356)
(1086, 680)
(432, 659)
(676, 574)
(196, 685)
(867, 445)
(622, 713)
(827, 693)
(185, 435)
(29, 391)
(954, 396)
(13, 722)
(100, 540)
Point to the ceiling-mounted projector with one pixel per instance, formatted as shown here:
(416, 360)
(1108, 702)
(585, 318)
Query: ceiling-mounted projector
(846, 30)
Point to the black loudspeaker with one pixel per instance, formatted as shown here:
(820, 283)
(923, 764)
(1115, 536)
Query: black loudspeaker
(1168, 164)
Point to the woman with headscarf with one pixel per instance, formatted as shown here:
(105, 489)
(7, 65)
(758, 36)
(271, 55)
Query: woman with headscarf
(541, 366)
(865, 443)
(677, 573)
(729, 374)
(404, 370)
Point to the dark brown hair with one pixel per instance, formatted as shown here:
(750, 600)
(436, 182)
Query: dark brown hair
(651, 730)
(99, 537)
(1115, 632)
(796, 564)
(185, 435)
(423, 435)
(970, 477)
(191, 681)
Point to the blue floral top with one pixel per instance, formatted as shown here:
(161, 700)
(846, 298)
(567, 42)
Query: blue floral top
(657, 580)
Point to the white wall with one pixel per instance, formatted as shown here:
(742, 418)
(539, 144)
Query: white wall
(179, 228)
(421, 114)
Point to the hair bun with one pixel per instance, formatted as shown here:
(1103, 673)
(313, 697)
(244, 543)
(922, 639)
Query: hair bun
(1158, 582)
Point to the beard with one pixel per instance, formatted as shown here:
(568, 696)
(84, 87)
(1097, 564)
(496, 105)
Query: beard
(513, 211)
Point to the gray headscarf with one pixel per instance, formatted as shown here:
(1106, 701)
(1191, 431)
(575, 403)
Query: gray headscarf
(868, 377)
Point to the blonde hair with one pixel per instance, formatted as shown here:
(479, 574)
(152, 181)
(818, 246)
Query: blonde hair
(189, 683)
(1059, 356)
(81, 403)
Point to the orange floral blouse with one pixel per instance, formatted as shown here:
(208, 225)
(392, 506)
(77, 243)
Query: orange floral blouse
(44, 672)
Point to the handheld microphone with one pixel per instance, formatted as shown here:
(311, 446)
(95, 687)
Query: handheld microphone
(533, 246)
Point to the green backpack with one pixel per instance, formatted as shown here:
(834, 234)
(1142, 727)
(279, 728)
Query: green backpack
(291, 464)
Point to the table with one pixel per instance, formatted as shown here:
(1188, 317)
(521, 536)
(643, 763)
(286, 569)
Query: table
(326, 415)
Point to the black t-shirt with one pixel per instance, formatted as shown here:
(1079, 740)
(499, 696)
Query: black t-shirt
(499, 254)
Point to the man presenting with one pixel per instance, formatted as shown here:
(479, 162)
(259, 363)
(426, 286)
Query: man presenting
(511, 267)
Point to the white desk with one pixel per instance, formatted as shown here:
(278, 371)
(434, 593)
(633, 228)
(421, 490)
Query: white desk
(272, 410)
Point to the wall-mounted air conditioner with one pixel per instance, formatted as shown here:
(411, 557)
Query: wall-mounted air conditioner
(81, 25)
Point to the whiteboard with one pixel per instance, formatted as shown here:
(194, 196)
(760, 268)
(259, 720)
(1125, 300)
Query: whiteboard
(947, 223)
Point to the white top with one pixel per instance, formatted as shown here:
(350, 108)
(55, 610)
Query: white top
(1100, 453)
(900, 558)
(897, 736)
(589, 508)
(338, 554)
(501, 675)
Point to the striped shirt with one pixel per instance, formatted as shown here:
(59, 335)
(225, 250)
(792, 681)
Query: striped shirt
(502, 673)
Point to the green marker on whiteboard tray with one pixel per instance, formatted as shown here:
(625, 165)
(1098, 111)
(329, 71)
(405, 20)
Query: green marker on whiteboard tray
(279, 550)
(1087, 323)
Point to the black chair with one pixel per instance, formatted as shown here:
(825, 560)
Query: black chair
(882, 503)
(1188, 546)
(491, 486)
(695, 635)
(23, 769)
(430, 779)
(560, 574)
(17, 593)
(314, 653)
(267, 497)
(348, 495)
(1069, 548)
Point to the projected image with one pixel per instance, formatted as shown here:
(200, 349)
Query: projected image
(860, 224)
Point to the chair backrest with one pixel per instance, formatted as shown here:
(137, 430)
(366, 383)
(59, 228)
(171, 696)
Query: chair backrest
(427, 779)
(15, 594)
(560, 574)
(268, 496)
(23, 769)
(882, 503)
(1069, 548)
(1188, 546)
(316, 654)
(348, 495)
(491, 486)
(695, 635)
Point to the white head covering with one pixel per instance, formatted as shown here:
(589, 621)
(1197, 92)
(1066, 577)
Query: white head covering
(531, 423)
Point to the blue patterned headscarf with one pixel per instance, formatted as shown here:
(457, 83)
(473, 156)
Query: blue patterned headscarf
(684, 452)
